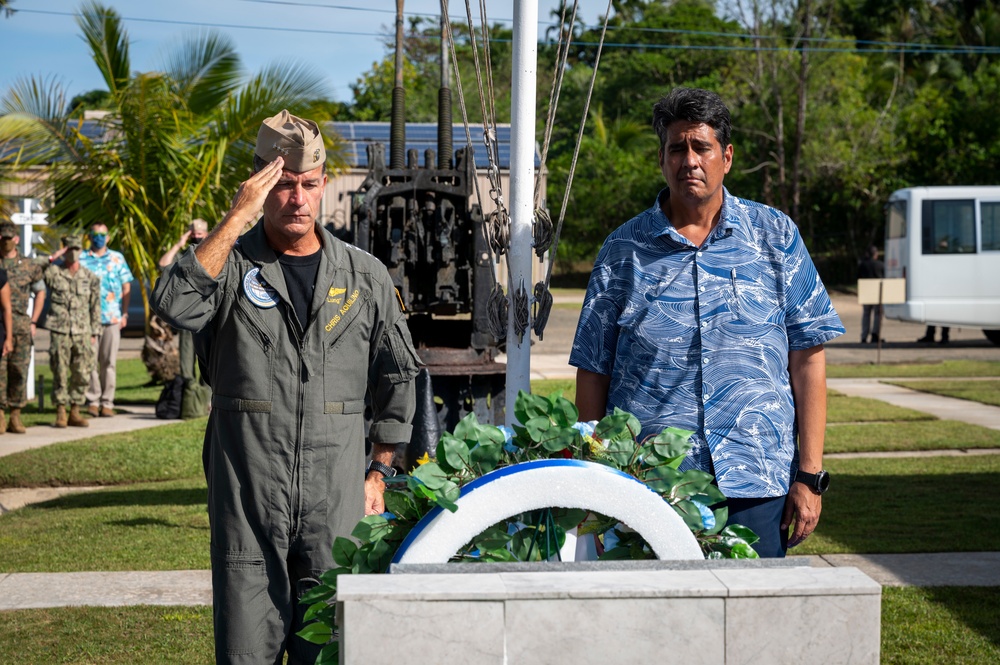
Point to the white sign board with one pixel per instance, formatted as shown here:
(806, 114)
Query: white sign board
(881, 291)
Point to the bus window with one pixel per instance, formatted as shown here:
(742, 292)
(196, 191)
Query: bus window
(897, 220)
(949, 227)
(991, 226)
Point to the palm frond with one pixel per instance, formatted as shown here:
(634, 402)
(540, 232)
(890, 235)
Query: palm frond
(206, 70)
(104, 33)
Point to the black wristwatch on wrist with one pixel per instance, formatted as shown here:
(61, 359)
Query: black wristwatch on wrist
(817, 482)
(385, 470)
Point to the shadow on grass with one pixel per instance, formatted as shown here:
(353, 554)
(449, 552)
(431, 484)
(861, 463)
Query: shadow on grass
(128, 497)
(147, 521)
(950, 512)
(976, 607)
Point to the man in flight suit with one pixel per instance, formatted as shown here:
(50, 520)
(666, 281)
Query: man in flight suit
(297, 330)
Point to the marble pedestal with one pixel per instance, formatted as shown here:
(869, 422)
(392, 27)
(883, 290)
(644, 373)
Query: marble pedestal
(696, 612)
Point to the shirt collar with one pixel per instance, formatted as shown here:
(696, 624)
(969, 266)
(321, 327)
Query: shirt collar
(660, 225)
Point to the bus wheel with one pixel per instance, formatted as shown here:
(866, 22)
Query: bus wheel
(993, 336)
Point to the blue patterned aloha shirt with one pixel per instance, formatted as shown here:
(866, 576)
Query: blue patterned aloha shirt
(698, 337)
(114, 273)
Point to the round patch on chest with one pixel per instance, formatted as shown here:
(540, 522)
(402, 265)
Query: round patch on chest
(259, 292)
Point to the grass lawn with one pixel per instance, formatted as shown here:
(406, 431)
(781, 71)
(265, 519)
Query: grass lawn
(911, 504)
(108, 635)
(947, 368)
(947, 625)
(985, 391)
(904, 435)
(169, 452)
(152, 526)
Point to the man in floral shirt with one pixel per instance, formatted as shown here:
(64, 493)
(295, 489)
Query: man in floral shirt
(706, 313)
(116, 285)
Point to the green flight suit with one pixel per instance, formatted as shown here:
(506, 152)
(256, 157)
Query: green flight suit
(285, 443)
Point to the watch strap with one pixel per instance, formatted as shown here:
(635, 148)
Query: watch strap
(384, 469)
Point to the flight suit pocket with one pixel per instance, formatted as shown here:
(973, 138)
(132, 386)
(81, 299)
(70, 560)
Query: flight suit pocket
(404, 363)
(247, 363)
(239, 584)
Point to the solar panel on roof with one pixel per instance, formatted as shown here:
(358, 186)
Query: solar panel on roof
(420, 136)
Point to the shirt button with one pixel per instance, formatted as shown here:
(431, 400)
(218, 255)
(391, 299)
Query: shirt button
(707, 432)
(701, 288)
(704, 324)
(704, 398)
(699, 254)
(704, 361)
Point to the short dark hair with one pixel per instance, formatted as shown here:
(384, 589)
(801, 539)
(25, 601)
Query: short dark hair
(692, 105)
(872, 252)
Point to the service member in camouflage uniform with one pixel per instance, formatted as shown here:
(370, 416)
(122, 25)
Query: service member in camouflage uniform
(25, 278)
(74, 321)
(297, 330)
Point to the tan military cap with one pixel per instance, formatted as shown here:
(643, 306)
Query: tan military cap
(72, 242)
(8, 230)
(296, 140)
(199, 225)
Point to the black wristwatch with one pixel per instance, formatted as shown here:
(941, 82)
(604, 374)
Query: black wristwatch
(817, 482)
(385, 470)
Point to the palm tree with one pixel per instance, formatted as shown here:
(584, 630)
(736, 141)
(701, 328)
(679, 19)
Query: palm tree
(175, 145)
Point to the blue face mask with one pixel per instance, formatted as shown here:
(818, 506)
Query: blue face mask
(98, 241)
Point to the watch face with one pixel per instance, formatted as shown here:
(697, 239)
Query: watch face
(822, 481)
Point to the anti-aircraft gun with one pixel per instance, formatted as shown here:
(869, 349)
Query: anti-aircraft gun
(422, 222)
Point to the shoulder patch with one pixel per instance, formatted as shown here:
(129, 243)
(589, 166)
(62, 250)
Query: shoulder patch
(257, 291)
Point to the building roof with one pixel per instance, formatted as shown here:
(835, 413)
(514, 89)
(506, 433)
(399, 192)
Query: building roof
(421, 136)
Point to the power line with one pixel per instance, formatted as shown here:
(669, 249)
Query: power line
(905, 48)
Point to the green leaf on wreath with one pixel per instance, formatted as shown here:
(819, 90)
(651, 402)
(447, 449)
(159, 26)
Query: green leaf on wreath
(557, 439)
(689, 511)
(380, 555)
(564, 412)
(672, 443)
(721, 517)
(343, 551)
(692, 482)
(743, 551)
(371, 527)
(467, 426)
(569, 518)
(431, 475)
(500, 554)
(329, 578)
(318, 594)
(528, 406)
(611, 426)
(401, 505)
(492, 538)
(620, 448)
(487, 455)
(454, 451)
(742, 532)
(329, 655)
(316, 633)
(319, 611)
(537, 427)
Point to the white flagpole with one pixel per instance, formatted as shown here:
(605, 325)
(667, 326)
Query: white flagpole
(522, 172)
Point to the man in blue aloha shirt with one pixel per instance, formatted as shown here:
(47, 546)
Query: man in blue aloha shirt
(705, 312)
(116, 286)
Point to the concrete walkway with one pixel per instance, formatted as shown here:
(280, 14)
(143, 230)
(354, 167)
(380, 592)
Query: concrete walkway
(946, 408)
(128, 418)
(19, 591)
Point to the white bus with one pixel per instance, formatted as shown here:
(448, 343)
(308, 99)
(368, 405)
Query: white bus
(946, 242)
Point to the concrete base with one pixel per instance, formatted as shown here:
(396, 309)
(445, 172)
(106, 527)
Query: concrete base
(713, 615)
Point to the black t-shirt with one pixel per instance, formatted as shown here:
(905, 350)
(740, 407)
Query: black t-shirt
(300, 277)
(871, 269)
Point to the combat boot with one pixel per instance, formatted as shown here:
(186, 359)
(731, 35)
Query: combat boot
(75, 419)
(16, 426)
(60, 416)
(3, 423)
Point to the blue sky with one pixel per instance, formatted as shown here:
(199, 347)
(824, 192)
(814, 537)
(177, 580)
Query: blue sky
(342, 39)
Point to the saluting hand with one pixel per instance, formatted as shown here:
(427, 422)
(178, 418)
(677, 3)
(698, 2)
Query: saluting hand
(249, 198)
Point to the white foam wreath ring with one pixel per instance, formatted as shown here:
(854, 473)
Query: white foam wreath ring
(549, 483)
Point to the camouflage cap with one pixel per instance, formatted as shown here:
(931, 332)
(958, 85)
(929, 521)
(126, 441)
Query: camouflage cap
(296, 140)
(8, 230)
(72, 242)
